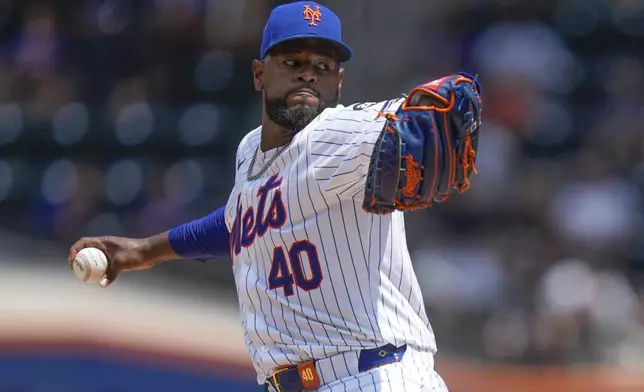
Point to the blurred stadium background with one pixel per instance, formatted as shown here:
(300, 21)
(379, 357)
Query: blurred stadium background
(122, 117)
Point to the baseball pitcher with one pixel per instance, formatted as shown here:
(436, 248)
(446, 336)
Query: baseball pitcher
(314, 224)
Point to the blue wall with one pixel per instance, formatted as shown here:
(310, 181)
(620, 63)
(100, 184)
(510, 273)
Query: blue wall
(84, 373)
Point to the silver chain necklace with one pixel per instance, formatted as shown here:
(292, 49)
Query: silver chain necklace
(254, 177)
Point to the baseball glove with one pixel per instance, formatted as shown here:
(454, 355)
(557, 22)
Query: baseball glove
(427, 149)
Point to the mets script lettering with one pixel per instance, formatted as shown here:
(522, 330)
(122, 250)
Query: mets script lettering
(252, 224)
(311, 15)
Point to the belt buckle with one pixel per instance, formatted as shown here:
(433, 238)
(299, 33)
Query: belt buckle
(274, 385)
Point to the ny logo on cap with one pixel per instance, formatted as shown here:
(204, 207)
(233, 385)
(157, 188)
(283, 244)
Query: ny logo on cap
(311, 15)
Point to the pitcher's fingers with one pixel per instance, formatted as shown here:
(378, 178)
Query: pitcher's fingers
(109, 277)
(83, 243)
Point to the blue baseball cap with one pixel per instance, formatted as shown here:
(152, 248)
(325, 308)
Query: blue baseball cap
(304, 19)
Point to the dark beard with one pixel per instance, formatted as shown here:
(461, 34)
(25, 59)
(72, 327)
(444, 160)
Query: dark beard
(295, 117)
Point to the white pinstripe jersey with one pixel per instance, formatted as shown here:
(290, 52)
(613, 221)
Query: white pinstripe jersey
(315, 274)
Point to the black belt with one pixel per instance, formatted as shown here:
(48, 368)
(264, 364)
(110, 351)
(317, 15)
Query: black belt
(306, 377)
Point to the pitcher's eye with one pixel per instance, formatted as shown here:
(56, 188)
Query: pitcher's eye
(323, 66)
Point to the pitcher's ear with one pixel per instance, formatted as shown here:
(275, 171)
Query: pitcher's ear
(258, 73)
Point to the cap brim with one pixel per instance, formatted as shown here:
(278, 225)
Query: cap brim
(344, 51)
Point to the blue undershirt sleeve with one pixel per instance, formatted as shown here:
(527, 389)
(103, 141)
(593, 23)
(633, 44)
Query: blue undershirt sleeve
(203, 238)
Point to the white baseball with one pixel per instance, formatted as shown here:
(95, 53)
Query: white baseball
(90, 265)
